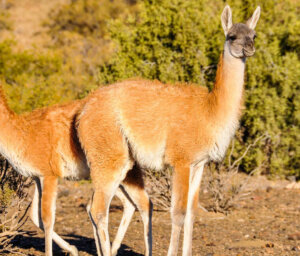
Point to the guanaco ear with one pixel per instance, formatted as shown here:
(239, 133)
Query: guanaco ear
(226, 19)
(254, 19)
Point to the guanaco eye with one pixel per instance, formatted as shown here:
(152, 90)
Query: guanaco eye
(232, 37)
(254, 37)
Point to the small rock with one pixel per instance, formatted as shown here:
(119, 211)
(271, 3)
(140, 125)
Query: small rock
(63, 193)
(296, 248)
(82, 205)
(268, 189)
(269, 245)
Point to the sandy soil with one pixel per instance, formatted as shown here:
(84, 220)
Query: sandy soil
(27, 18)
(266, 223)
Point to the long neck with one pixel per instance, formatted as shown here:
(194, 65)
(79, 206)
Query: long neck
(226, 97)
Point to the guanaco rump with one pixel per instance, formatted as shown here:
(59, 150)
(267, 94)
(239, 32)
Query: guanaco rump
(43, 144)
(153, 125)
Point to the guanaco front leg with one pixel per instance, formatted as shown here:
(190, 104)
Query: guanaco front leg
(195, 176)
(180, 187)
(36, 217)
(186, 184)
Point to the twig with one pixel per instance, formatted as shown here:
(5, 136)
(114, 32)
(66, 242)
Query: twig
(264, 136)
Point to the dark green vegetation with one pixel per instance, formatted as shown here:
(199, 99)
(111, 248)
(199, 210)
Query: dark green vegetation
(100, 42)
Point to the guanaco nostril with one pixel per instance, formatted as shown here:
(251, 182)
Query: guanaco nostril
(249, 42)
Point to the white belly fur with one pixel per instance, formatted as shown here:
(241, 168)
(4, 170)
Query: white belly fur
(73, 168)
(18, 163)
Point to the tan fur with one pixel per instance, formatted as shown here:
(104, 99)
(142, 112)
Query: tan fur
(178, 122)
(42, 139)
(43, 144)
(154, 124)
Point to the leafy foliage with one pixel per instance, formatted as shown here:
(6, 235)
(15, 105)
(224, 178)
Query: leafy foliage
(80, 36)
(31, 80)
(179, 40)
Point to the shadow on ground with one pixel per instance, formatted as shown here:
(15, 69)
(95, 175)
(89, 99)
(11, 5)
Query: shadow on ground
(83, 244)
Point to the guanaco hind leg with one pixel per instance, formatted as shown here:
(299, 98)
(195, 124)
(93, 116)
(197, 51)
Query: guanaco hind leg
(132, 193)
(104, 190)
(128, 211)
(109, 158)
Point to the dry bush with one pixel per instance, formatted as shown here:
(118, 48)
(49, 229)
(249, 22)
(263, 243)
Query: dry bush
(158, 185)
(224, 184)
(13, 209)
(225, 188)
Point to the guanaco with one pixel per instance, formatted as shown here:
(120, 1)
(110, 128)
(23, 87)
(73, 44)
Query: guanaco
(43, 144)
(152, 125)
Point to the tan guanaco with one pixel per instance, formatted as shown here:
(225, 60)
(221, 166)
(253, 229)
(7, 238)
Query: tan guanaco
(152, 125)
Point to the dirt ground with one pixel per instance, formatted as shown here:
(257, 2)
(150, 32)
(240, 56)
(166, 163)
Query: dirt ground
(266, 223)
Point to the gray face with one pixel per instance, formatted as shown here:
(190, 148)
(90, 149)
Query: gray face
(240, 39)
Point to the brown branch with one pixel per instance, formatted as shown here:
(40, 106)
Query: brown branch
(262, 137)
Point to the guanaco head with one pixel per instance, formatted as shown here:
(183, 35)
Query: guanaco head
(240, 37)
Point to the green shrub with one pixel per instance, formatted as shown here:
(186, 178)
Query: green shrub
(79, 33)
(177, 40)
(32, 80)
